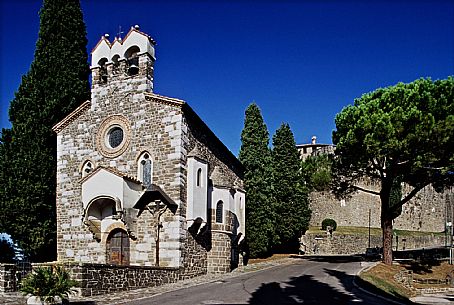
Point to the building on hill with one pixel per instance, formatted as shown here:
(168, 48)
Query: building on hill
(141, 179)
(314, 148)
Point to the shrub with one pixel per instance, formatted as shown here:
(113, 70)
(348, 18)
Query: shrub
(329, 222)
(48, 283)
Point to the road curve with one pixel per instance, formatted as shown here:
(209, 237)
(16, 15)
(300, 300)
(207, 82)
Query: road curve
(316, 280)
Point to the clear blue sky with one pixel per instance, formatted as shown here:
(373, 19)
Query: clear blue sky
(300, 61)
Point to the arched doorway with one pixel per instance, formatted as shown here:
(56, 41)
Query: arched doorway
(118, 247)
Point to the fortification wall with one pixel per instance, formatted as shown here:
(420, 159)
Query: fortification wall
(336, 244)
(428, 211)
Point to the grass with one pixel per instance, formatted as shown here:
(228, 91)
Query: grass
(271, 258)
(382, 277)
(373, 231)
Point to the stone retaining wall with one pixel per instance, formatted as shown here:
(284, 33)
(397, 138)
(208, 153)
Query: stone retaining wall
(7, 277)
(324, 244)
(95, 279)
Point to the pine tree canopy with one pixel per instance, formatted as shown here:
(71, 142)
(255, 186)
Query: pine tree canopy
(56, 84)
(403, 133)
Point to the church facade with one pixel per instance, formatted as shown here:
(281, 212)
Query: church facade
(141, 179)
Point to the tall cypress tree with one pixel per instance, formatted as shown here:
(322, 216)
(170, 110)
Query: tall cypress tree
(56, 84)
(256, 158)
(289, 194)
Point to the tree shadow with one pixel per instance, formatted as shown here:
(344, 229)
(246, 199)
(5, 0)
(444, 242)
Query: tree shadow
(332, 258)
(301, 290)
(306, 289)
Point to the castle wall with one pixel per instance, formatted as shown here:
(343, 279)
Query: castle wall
(348, 244)
(425, 212)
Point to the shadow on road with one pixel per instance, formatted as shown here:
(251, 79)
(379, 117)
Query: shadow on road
(307, 290)
(331, 258)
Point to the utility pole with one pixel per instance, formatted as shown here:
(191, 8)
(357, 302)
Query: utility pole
(369, 229)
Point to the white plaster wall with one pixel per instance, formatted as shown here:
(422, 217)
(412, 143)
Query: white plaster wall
(240, 210)
(131, 193)
(107, 51)
(197, 195)
(221, 194)
(103, 183)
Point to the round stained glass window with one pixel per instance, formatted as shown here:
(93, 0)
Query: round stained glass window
(115, 137)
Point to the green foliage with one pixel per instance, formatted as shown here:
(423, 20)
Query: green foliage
(403, 133)
(255, 157)
(329, 222)
(316, 172)
(289, 195)
(56, 84)
(48, 283)
(7, 251)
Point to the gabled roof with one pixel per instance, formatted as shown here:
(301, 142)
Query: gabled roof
(112, 170)
(152, 41)
(71, 117)
(103, 39)
(122, 41)
(164, 99)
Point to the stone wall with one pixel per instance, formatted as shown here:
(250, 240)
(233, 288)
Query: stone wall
(8, 277)
(427, 211)
(324, 244)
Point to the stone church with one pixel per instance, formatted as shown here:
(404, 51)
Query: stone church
(141, 179)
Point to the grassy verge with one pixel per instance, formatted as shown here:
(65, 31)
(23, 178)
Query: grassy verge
(381, 277)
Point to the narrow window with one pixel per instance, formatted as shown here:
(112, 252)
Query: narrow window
(199, 177)
(219, 211)
(145, 169)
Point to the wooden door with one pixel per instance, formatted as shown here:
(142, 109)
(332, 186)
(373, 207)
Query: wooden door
(118, 248)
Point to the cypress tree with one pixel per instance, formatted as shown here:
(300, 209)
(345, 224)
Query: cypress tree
(56, 84)
(289, 194)
(256, 158)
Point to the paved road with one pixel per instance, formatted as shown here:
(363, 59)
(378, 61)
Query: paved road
(306, 281)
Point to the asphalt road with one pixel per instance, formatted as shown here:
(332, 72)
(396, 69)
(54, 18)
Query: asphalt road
(305, 281)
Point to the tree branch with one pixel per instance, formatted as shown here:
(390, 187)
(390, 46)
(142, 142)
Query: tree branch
(365, 190)
(412, 194)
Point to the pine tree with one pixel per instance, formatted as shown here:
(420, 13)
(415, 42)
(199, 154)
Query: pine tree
(290, 199)
(56, 84)
(255, 156)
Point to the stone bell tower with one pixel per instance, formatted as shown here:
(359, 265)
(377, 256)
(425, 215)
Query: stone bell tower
(125, 64)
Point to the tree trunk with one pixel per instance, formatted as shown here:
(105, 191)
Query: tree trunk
(387, 228)
(386, 222)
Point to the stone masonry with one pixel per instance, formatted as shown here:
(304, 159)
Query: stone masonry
(103, 215)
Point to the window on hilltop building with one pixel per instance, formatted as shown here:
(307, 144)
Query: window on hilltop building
(219, 211)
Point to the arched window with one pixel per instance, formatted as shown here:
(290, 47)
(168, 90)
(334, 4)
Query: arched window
(131, 56)
(103, 69)
(145, 169)
(219, 211)
(87, 168)
(199, 177)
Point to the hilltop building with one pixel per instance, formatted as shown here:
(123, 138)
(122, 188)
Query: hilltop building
(314, 148)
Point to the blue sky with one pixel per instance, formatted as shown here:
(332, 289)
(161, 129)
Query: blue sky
(300, 61)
